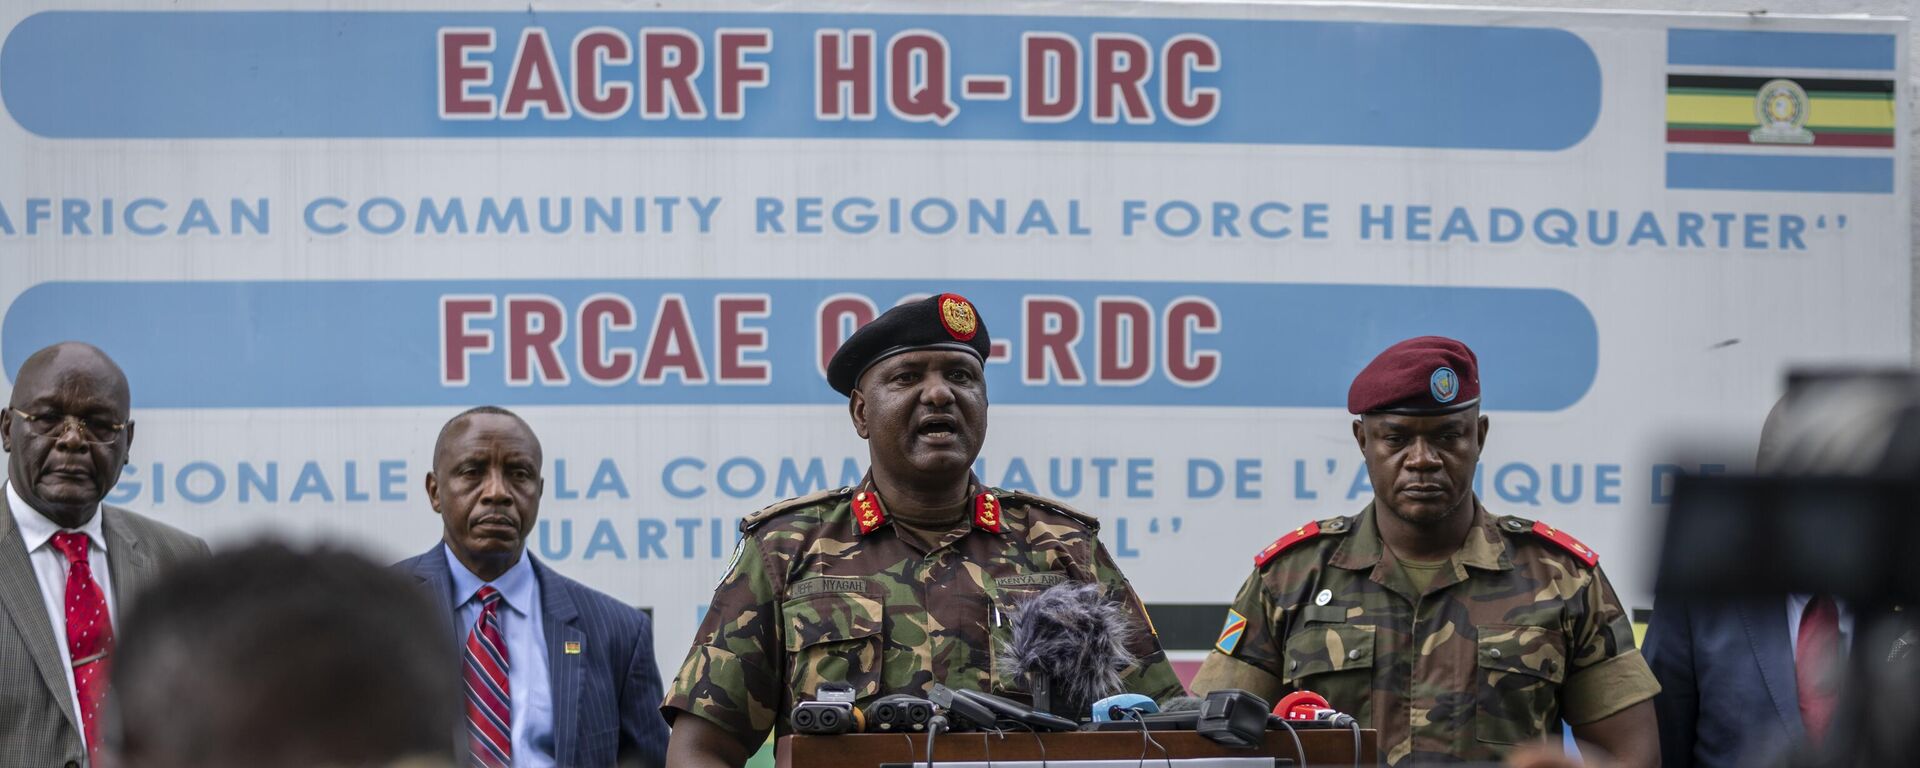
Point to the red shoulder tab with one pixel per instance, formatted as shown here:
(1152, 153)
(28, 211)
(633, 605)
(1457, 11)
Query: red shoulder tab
(867, 512)
(1281, 544)
(1569, 543)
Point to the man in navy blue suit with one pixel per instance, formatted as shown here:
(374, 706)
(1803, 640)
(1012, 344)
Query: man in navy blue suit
(554, 673)
(1745, 680)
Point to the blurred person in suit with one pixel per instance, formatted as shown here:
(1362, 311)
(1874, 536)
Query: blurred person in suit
(270, 656)
(1745, 681)
(68, 562)
(554, 672)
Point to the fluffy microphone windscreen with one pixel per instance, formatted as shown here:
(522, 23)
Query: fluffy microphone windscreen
(1076, 639)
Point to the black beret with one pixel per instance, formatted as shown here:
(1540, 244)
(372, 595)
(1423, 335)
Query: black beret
(944, 321)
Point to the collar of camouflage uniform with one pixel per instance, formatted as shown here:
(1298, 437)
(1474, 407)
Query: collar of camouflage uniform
(870, 514)
(1484, 548)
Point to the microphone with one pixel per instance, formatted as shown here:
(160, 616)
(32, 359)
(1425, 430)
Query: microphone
(1307, 706)
(989, 712)
(1125, 706)
(1233, 718)
(899, 712)
(1069, 645)
(1301, 705)
(831, 712)
(964, 712)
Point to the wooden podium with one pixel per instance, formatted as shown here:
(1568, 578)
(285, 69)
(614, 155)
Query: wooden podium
(869, 750)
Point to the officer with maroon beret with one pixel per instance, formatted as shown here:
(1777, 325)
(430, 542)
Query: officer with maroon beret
(1456, 633)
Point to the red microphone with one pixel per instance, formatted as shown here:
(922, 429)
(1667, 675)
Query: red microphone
(1302, 705)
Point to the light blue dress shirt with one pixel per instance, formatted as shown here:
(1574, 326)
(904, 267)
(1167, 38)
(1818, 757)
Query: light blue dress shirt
(527, 682)
(1797, 608)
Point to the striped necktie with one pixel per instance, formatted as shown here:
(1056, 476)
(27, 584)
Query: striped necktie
(489, 702)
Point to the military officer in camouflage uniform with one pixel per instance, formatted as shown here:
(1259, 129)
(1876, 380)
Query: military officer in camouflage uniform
(903, 581)
(1455, 633)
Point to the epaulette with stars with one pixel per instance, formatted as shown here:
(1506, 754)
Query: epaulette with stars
(1331, 526)
(1559, 537)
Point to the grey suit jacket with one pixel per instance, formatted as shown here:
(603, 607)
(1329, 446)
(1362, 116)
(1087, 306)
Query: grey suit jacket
(37, 727)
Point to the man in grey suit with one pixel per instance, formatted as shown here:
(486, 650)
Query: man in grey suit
(67, 562)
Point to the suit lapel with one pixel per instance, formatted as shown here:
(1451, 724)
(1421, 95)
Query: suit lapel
(560, 619)
(20, 597)
(431, 570)
(1766, 624)
(127, 562)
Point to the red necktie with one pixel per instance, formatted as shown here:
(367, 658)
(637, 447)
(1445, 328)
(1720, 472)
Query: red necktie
(489, 703)
(89, 636)
(1816, 670)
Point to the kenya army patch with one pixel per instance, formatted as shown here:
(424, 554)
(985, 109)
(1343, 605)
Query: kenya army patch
(1047, 579)
(1231, 632)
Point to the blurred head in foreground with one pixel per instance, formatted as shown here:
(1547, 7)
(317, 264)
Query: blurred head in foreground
(268, 655)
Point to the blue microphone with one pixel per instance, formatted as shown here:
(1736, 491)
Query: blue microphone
(1124, 706)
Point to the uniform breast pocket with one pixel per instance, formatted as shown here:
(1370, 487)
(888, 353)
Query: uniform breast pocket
(1334, 660)
(833, 638)
(1521, 668)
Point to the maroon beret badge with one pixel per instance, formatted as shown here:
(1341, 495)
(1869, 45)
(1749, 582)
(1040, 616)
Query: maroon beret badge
(1443, 384)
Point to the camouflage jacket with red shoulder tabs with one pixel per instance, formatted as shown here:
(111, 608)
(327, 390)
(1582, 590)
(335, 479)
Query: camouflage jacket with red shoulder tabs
(1518, 631)
(825, 588)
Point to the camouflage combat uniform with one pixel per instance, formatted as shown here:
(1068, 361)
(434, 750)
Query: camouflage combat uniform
(1518, 631)
(815, 596)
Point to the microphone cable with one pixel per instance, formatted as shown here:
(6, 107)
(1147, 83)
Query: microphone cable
(1298, 748)
(1042, 744)
(1354, 725)
(909, 739)
(935, 725)
(1145, 739)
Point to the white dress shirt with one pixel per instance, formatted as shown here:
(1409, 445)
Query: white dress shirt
(50, 569)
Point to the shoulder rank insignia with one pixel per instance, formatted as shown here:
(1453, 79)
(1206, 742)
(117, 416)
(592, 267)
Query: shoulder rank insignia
(1281, 544)
(986, 512)
(1581, 551)
(1231, 632)
(867, 512)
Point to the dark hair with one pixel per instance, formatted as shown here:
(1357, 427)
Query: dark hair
(267, 655)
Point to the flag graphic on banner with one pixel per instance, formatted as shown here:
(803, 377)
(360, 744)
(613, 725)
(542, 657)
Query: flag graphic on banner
(1780, 111)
